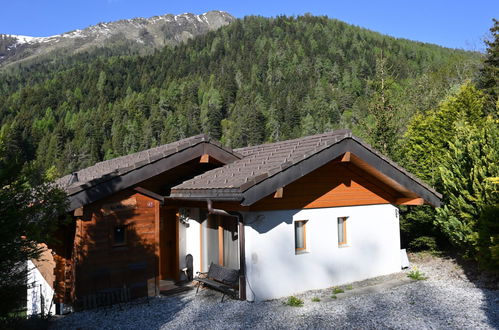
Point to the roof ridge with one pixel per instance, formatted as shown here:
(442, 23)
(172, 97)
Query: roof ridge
(344, 132)
(124, 163)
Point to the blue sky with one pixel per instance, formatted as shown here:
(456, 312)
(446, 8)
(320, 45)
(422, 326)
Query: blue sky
(457, 24)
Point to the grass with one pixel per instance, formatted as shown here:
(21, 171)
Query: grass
(349, 287)
(416, 274)
(316, 299)
(294, 302)
(334, 296)
(338, 290)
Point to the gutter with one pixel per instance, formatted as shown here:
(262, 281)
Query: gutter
(242, 254)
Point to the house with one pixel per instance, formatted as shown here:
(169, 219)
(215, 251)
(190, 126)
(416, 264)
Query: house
(294, 215)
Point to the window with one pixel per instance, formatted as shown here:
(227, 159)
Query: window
(342, 231)
(119, 235)
(219, 241)
(300, 236)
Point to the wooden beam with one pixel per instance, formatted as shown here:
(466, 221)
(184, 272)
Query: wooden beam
(78, 212)
(346, 157)
(279, 193)
(151, 194)
(205, 159)
(409, 201)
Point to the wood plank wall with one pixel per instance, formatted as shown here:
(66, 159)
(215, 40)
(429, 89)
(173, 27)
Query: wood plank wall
(334, 184)
(102, 265)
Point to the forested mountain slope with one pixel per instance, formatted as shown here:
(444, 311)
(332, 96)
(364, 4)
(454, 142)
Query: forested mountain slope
(255, 80)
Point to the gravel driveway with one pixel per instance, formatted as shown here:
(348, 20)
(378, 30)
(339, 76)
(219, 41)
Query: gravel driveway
(446, 300)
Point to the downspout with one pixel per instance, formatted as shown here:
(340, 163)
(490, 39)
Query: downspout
(242, 254)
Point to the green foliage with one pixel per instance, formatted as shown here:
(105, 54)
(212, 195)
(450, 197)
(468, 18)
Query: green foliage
(338, 290)
(316, 299)
(424, 243)
(472, 158)
(488, 238)
(489, 74)
(334, 296)
(416, 274)
(428, 135)
(349, 287)
(418, 222)
(253, 81)
(294, 302)
(381, 124)
(29, 212)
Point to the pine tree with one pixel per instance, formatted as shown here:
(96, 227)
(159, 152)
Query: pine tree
(380, 124)
(489, 74)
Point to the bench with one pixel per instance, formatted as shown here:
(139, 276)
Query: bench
(223, 279)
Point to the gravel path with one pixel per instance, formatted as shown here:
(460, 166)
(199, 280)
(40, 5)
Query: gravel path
(446, 300)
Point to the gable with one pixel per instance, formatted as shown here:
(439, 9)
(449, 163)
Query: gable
(334, 184)
(109, 177)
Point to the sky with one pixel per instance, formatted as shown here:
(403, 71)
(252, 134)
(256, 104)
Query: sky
(458, 24)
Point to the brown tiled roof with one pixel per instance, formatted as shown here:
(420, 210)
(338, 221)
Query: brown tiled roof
(262, 161)
(108, 169)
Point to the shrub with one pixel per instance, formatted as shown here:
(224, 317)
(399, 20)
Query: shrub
(316, 299)
(424, 243)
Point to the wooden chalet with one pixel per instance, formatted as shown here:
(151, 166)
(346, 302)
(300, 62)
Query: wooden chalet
(288, 208)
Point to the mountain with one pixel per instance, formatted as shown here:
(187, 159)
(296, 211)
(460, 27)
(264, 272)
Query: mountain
(255, 80)
(139, 35)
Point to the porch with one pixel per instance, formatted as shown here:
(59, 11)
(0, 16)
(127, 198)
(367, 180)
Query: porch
(193, 233)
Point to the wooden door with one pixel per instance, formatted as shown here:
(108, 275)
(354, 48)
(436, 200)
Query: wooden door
(169, 246)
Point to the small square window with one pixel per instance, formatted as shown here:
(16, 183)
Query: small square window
(301, 236)
(342, 231)
(119, 235)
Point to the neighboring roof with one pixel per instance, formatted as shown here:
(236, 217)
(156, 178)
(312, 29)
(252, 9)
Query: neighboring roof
(267, 167)
(119, 173)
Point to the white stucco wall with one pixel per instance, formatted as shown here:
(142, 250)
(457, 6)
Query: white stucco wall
(274, 269)
(39, 293)
(189, 240)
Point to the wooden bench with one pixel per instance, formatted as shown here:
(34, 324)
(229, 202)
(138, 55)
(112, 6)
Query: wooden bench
(223, 279)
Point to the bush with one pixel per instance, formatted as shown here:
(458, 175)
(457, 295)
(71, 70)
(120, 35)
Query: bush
(424, 243)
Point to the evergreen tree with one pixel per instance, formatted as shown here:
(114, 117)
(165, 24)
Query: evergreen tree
(29, 212)
(466, 168)
(380, 124)
(428, 135)
(489, 74)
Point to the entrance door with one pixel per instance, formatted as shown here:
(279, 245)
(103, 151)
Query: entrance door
(169, 246)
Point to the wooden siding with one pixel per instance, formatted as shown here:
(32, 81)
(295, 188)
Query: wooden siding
(334, 184)
(101, 265)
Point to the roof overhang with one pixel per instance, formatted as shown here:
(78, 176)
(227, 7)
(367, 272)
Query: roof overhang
(93, 191)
